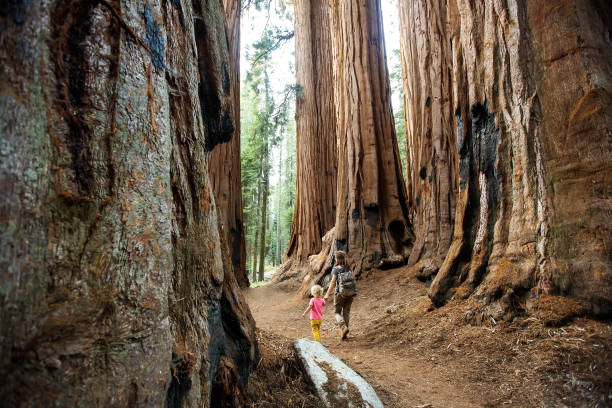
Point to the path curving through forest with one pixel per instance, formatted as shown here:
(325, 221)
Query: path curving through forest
(415, 355)
(401, 378)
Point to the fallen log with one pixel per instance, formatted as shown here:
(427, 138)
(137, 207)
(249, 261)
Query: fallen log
(336, 383)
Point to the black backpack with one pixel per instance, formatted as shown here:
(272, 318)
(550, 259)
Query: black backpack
(346, 283)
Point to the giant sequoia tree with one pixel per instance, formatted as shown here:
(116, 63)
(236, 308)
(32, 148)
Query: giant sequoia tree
(371, 208)
(224, 161)
(371, 213)
(113, 290)
(430, 142)
(508, 125)
(315, 198)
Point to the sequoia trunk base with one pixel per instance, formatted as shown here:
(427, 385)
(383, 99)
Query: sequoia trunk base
(509, 171)
(113, 285)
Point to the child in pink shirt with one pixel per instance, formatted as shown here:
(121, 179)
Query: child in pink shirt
(315, 307)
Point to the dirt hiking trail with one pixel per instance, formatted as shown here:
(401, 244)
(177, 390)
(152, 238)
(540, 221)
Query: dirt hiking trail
(415, 355)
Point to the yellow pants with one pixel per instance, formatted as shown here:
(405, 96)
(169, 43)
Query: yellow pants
(316, 329)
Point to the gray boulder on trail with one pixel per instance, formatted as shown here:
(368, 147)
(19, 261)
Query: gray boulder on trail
(336, 383)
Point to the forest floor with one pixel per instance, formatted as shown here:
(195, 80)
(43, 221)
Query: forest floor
(415, 355)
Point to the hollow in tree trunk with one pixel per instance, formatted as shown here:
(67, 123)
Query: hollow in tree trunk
(371, 213)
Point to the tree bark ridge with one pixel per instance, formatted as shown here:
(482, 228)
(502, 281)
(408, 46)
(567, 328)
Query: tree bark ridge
(114, 290)
(371, 215)
(224, 160)
(314, 209)
(485, 124)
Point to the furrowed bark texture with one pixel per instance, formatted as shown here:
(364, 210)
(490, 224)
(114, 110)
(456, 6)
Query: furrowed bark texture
(315, 201)
(509, 145)
(113, 290)
(224, 160)
(430, 144)
(372, 223)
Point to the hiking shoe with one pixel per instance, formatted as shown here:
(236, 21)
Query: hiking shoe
(344, 330)
(341, 331)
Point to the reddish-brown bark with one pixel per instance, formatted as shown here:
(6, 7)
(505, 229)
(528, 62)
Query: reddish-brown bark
(316, 171)
(429, 140)
(528, 84)
(371, 213)
(224, 159)
(113, 285)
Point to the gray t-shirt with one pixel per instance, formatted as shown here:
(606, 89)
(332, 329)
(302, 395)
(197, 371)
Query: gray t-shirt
(337, 269)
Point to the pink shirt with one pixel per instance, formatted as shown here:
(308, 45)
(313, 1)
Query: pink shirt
(317, 304)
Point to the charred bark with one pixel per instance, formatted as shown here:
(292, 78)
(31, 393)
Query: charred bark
(224, 159)
(372, 223)
(518, 179)
(113, 286)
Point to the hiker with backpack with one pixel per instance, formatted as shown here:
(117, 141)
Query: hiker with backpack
(345, 289)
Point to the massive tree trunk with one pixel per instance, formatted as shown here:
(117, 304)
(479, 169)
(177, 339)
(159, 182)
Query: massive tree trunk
(526, 160)
(224, 160)
(113, 291)
(314, 211)
(371, 213)
(430, 142)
